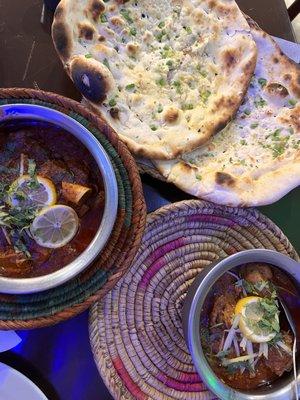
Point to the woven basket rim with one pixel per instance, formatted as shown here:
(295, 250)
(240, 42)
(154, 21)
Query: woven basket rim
(138, 219)
(117, 387)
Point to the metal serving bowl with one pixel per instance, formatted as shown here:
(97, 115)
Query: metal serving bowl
(282, 388)
(17, 112)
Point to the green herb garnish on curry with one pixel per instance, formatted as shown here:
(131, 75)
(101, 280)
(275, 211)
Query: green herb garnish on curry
(244, 333)
(51, 199)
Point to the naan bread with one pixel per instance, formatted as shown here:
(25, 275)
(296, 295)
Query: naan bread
(166, 75)
(255, 160)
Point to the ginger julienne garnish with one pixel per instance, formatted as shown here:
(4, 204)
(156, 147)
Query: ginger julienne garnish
(247, 332)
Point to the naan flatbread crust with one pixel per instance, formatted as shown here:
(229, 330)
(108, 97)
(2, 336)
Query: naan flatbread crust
(166, 75)
(255, 160)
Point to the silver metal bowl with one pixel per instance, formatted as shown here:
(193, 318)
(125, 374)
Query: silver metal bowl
(282, 388)
(19, 112)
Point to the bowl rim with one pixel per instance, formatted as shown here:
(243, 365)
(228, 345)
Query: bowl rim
(19, 111)
(191, 319)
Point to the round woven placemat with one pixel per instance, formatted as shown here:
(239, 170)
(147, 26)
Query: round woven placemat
(136, 330)
(73, 297)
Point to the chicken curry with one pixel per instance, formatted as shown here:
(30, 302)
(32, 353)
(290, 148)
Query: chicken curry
(51, 199)
(244, 332)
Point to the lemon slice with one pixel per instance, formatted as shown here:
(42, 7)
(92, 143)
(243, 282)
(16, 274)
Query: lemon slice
(55, 226)
(252, 315)
(26, 191)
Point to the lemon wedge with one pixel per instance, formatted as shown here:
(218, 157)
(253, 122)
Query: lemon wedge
(55, 226)
(25, 192)
(253, 323)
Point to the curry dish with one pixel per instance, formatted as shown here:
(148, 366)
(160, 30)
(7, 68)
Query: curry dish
(51, 199)
(245, 334)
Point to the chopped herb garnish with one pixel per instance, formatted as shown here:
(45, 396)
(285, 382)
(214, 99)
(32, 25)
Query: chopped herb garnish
(201, 71)
(278, 149)
(161, 82)
(159, 36)
(169, 63)
(130, 87)
(254, 125)
(133, 31)
(88, 55)
(126, 15)
(159, 108)
(153, 127)
(167, 52)
(106, 63)
(205, 95)
(243, 142)
(260, 102)
(198, 177)
(20, 247)
(262, 82)
(188, 29)
(188, 106)
(31, 167)
(293, 102)
(112, 102)
(177, 85)
(103, 18)
(161, 24)
(247, 112)
(275, 136)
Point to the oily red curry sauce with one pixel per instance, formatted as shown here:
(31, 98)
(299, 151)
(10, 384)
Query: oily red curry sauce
(224, 289)
(59, 156)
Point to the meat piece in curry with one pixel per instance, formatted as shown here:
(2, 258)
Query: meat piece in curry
(245, 335)
(44, 170)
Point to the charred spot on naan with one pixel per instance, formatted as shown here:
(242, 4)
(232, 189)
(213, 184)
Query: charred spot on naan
(114, 112)
(230, 58)
(224, 179)
(117, 21)
(59, 11)
(276, 89)
(295, 83)
(91, 78)
(292, 119)
(171, 116)
(86, 31)
(223, 9)
(112, 8)
(132, 48)
(95, 8)
(62, 37)
(226, 102)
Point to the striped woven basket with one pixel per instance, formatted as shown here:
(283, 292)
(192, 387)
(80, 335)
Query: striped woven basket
(73, 297)
(136, 330)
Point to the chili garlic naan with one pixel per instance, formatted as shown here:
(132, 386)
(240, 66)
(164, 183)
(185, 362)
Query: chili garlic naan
(166, 75)
(255, 160)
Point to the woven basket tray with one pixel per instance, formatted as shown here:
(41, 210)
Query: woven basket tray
(136, 330)
(73, 297)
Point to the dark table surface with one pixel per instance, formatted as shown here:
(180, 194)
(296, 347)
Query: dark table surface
(58, 359)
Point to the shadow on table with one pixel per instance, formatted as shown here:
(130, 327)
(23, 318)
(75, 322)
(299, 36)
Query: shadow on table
(28, 369)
